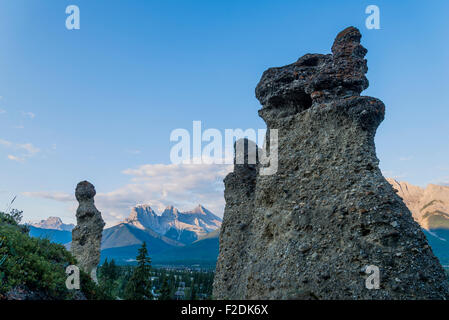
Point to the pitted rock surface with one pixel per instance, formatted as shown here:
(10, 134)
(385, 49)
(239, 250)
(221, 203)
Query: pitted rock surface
(311, 230)
(86, 236)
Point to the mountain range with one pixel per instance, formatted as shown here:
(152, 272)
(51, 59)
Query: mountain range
(173, 237)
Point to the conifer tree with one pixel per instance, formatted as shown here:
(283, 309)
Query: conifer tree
(113, 272)
(139, 285)
(104, 269)
(165, 290)
(193, 292)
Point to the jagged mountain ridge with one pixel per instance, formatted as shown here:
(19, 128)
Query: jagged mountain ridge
(181, 226)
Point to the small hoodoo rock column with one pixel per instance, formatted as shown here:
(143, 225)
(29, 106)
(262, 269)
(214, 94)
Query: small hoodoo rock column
(86, 236)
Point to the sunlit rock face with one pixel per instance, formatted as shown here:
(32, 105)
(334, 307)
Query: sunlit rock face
(313, 229)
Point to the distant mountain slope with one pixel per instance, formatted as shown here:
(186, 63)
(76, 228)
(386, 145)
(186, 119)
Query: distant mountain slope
(122, 241)
(54, 223)
(203, 252)
(211, 235)
(121, 255)
(56, 236)
(429, 206)
(124, 235)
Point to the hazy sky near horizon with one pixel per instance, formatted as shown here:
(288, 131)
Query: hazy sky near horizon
(100, 103)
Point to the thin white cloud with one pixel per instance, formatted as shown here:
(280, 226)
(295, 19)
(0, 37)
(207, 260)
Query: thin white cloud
(5, 143)
(57, 196)
(28, 114)
(133, 151)
(159, 185)
(26, 150)
(407, 158)
(29, 148)
(2, 111)
(15, 158)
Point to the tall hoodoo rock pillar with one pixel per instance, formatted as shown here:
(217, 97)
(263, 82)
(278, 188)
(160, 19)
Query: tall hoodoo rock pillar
(86, 236)
(314, 228)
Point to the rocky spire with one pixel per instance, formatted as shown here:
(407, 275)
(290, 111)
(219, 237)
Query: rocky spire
(235, 234)
(327, 216)
(86, 236)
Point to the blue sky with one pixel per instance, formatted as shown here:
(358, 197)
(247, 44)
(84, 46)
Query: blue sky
(99, 103)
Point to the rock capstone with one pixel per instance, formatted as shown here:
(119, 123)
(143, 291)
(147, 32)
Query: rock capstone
(314, 228)
(86, 236)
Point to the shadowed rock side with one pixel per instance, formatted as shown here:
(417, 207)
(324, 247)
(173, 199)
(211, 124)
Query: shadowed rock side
(86, 236)
(236, 230)
(312, 228)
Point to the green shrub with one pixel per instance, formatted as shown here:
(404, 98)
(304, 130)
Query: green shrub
(36, 264)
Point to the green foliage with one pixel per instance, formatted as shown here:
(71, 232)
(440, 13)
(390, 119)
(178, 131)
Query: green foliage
(109, 280)
(35, 264)
(9, 219)
(110, 270)
(116, 282)
(13, 218)
(90, 290)
(139, 285)
(198, 283)
(165, 293)
(39, 265)
(193, 291)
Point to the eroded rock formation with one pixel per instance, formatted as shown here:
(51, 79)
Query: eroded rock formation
(86, 236)
(311, 230)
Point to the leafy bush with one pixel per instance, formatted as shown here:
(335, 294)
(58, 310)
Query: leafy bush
(36, 264)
